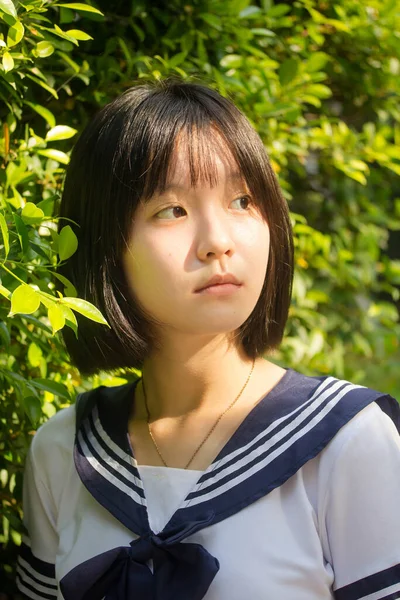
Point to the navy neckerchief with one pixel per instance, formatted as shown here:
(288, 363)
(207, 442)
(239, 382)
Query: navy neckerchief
(288, 427)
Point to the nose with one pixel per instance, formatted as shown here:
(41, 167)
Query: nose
(214, 238)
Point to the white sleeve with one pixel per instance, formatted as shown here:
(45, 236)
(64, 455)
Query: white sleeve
(36, 560)
(360, 529)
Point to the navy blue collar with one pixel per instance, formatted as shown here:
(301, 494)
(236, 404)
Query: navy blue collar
(289, 426)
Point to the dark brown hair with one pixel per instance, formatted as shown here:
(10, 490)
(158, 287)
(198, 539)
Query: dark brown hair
(124, 156)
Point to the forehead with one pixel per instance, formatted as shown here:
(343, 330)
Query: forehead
(202, 159)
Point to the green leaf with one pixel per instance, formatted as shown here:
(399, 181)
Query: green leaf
(177, 59)
(43, 85)
(43, 367)
(79, 35)
(15, 34)
(288, 71)
(56, 317)
(44, 49)
(262, 31)
(211, 20)
(83, 7)
(8, 62)
(5, 334)
(84, 308)
(8, 19)
(31, 213)
(316, 62)
(8, 7)
(74, 66)
(278, 10)
(70, 318)
(249, 12)
(4, 233)
(67, 242)
(33, 409)
(48, 385)
(54, 154)
(69, 289)
(24, 299)
(278, 109)
(35, 354)
(68, 314)
(39, 250)
(360, 165)
(22, 233)
(58, 31)
(319, 90)
(15, 173)
(66, 16)
(47, 299)
(231, 61)
(60, 132)
(43, 112)
(47, 205)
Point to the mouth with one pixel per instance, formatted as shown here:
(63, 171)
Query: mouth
(225, 281)
(219, 289)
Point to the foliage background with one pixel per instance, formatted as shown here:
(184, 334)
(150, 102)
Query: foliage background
(320, 82)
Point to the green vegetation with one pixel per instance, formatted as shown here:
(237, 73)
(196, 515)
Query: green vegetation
(319, 81)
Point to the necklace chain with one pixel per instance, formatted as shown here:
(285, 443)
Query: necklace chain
(212, 428)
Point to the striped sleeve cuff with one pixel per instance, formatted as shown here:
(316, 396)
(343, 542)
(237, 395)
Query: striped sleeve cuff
(35, 578)
(384, 585)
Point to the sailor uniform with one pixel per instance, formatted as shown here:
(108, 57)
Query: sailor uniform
(300, 504)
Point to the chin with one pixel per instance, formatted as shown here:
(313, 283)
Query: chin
(218, 326)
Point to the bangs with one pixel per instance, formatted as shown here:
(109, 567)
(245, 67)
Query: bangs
(206, 126)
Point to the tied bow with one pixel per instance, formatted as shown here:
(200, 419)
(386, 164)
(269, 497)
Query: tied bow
(180, 570)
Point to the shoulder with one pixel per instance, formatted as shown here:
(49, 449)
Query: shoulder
(369, 438)
(326, 416)
(370, 432)
(53, 443)
(339, 398)
(59, 430)
(358, 463)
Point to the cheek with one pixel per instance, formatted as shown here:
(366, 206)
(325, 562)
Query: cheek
(256, 245)
(152, 268)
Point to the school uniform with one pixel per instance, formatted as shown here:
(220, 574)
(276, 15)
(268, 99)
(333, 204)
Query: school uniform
(302, 503)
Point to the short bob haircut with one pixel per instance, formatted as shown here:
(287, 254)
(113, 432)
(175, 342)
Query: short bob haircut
(123, 157)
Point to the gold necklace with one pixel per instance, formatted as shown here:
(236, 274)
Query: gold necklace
(212, 428)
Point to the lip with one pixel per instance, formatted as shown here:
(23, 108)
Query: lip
(227, 280)
(221, 289)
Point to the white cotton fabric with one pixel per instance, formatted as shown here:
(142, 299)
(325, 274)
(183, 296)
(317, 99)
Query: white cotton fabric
(334, 522)
(165, 489)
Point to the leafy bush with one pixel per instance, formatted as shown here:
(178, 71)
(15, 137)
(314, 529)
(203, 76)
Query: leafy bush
(319, 81)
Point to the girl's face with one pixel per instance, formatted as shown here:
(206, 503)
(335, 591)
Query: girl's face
(181, 239)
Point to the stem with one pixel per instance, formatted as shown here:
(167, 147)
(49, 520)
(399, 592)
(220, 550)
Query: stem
(2, 265)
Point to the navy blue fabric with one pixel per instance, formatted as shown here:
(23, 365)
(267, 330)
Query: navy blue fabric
(371, 585)
(304, 413)
(390, 406)
(34, 578)
(113, 405)
(42, 567)
(285, 464)
(181, 570)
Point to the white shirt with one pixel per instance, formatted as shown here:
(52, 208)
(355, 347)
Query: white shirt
(331, 529)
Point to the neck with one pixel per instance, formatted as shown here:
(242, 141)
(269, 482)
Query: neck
(185, 377)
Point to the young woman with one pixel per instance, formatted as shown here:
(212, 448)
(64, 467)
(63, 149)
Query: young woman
(217, 474)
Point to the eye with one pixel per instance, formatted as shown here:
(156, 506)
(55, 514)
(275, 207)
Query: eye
(171, 212)
(242, 203)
